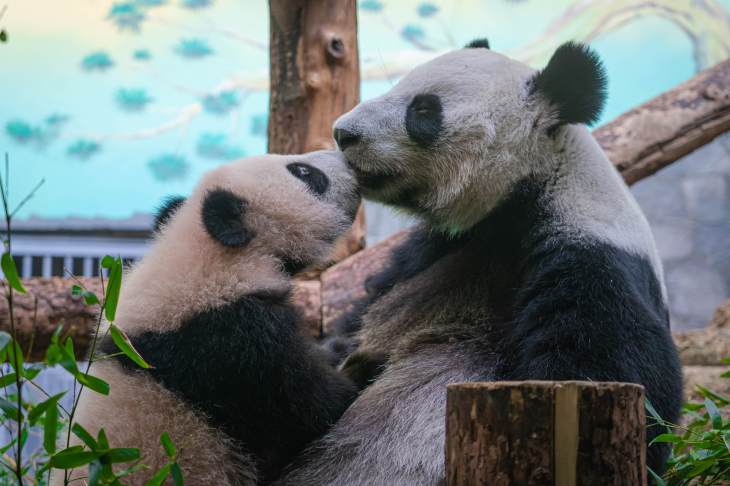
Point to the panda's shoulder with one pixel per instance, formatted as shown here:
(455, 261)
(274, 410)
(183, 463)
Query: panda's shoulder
(567, 273)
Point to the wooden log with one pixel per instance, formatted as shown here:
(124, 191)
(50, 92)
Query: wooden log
(315, 78)
(639, 143)
(668, 127)
(545, 433)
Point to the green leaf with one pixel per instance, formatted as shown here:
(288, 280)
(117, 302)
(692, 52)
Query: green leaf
(168, 445)
(90, 298)
(667, 438)
(125, 346)
(123, 454)
(107, 262)
(177, 476)
(714, 414)
(725, 360)
(42, 407)
(31, 373)
(11, 273)
(9, 409)
(8, 379)
(707, 393)
(658, 481)
(5, 339)
(72, 457)
(85, 436)
(159, 476)
(101, 438)
(112, 289)
(14, 352)
(50, 428)
(95, 472)
(131, 470)
(726, 440)
(94, 383)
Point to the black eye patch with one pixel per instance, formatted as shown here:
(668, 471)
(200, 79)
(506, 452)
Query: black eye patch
(312, 176)
(424, 119)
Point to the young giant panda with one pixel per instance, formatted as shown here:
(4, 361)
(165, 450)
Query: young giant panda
(234, 383)
(533, 261)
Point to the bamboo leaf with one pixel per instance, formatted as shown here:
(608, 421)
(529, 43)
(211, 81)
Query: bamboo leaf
(168, 445)
(125, 345)
(94, 383)
(72, 457)
(112, 289)
(85, 436)
(667, 438)
(90, 298)
(177, 476)
(714, 414)
(50, 428)
(159, 476)
(123, 454)
(9, 409)
(11, 273)
(42, 407)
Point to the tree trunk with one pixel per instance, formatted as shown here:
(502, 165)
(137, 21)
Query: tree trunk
(315, 78)
(545, 433)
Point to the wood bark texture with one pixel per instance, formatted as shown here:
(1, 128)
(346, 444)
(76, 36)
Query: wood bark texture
(545, 433)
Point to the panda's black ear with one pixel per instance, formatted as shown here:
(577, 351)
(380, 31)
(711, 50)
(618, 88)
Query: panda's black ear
(168, 207)
(223, 217)
(477, 43)
(575, 82)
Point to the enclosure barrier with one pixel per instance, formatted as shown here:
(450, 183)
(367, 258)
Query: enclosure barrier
(562, 433)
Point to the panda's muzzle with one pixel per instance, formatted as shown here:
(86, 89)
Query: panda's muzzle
(345, 138)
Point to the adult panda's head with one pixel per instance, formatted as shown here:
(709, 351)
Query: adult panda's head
(246, 227)
(455, 134)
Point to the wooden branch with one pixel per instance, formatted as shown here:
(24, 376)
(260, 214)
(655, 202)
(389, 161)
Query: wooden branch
(639, 143)
(668, 127)
(541, 432)
(315, 78)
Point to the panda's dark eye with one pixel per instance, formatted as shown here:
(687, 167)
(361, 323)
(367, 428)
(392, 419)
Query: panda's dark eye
(424, 119)
(312, 176)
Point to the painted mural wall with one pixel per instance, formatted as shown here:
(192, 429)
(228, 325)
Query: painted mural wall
(119, 103)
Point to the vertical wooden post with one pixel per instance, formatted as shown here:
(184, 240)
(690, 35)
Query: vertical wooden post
(545, 433)
(315, 77)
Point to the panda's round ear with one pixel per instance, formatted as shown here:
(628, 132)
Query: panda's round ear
(168, 207)
(574, 82)
(223, 217)
(477, 43)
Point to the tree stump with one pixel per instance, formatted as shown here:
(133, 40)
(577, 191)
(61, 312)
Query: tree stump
(545, 433)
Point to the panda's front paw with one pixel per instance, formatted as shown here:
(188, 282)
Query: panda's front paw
(364, 367)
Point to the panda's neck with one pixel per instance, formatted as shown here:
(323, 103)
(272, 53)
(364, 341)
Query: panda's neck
(184, 274)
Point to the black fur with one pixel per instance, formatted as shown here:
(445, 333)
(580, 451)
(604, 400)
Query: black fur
(247, 368)
(575, 82)
(562, 308)
(478, 43)
(168, 207)
(314, 178)
(222, 215)
(424, 119)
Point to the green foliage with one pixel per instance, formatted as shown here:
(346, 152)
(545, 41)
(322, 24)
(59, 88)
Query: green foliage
(701, 445)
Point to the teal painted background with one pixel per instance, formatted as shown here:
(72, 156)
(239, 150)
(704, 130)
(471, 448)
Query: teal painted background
(118, 104)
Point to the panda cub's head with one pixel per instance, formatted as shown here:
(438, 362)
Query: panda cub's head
(456, 133)
(289, 208)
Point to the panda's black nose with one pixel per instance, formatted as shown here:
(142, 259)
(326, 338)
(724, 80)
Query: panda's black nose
(345, 138)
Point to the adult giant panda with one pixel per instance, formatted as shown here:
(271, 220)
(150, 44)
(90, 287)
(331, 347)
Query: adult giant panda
(234, 383)
(533, 261)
